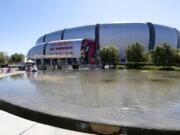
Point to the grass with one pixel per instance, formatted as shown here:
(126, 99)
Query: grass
(120, 66)
(166, 68)
(176, 68)
(151, 67)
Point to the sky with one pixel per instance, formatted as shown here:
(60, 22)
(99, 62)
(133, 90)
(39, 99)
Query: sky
(22, 22)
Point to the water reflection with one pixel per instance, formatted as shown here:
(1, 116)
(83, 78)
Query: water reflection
(17, 76)
(131, 97)
(109, 88)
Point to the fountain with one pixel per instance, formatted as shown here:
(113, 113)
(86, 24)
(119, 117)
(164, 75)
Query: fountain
(119, 101)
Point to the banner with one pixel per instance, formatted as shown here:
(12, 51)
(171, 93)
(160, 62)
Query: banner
(64, 49)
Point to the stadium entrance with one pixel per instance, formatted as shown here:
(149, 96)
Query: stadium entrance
(67, 52)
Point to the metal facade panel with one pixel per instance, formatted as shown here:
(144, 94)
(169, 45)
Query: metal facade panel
(166, 34)
(178, 40)
(152, 36)
(123, 35)
(53, 36)
(40, 40)
(37, 50)
(97, 36)
(80, 32)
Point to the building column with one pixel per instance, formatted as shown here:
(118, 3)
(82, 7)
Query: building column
(42, 61)
(50, 62)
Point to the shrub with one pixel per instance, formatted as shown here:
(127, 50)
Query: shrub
(135, 65)
(75, 66)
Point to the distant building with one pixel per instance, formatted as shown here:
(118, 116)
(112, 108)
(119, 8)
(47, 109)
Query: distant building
(119, 34)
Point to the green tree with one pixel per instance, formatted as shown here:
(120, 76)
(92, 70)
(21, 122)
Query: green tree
(163, 55)
(103, 55)
(17, 57)
(113, 55)
(147, 57)
(136, 53)
(3, 58)
(177, 57)
(109, 55)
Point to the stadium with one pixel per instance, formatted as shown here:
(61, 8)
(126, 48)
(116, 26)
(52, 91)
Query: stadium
(66, 45)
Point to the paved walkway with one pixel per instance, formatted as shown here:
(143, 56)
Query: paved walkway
(11, 73)
(13, 125)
